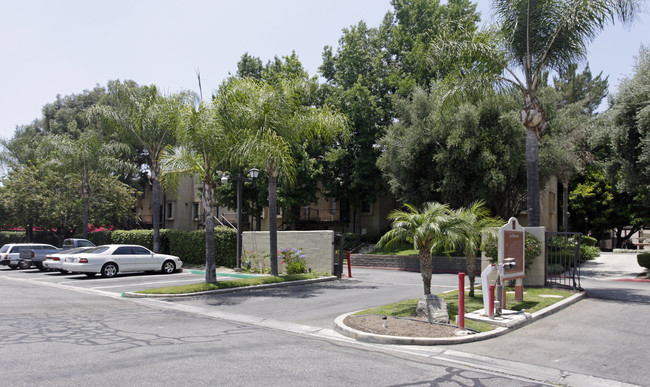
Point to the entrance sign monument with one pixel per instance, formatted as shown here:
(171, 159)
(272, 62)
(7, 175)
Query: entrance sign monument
(511, 266)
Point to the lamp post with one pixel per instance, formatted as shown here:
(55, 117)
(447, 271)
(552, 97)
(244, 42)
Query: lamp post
(253, 172)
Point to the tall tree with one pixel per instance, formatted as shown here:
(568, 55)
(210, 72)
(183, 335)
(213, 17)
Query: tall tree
(425, 152)
(628, 129)
(369, 67)
(85, 158)
(532, 38)
(269, 119)
(150, 120)
(200, 151)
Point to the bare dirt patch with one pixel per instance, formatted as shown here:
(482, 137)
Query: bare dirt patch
(406, 327)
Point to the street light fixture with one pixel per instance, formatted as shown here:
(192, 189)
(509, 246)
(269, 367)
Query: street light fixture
(254, 173)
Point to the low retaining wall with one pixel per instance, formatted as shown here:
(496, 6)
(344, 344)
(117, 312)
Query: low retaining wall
(411, 263)
(318, 247)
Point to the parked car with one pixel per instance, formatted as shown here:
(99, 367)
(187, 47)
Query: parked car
(36, 257)
(54, 261)
(10, 253)
(73, 243)
(108, 260)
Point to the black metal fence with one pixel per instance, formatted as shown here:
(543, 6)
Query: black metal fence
(563, 259)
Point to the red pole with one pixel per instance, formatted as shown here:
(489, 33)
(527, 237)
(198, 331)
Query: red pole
(491, 303)
(349, 266)
(461, 300)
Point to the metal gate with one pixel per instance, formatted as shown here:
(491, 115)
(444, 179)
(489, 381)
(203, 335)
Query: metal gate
(563, 259)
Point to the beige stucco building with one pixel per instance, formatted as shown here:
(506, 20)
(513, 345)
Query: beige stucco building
(182, 210)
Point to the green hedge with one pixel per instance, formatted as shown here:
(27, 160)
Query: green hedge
(189, 246)
(100, 237)
(586, 240)
(644, 260)
(12, 237)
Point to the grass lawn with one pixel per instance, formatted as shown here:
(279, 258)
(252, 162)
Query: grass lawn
(533, 302)
(202, 287)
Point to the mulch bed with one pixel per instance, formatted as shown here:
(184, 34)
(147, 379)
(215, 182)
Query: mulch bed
(406, 327)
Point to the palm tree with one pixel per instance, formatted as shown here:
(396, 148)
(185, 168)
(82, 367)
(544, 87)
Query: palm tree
(201, 151)
(476, 222)
(150, 120)
(532, 38)
(265, 121)
(87, 156)
(432, 229)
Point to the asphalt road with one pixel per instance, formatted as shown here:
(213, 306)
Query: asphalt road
(54, 335)
(605, 335)
(250, 335)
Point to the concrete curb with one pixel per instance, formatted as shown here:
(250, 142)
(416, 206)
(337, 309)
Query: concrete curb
(340, 327)
(230, 290)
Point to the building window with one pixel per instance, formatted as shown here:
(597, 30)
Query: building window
(195, 211)
(169, 211)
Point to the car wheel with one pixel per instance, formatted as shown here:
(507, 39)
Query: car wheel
(13, 267)
(109, 270)
(65, 271)
(90, 274)
(168, 267)
(40, 266)
(24, 265)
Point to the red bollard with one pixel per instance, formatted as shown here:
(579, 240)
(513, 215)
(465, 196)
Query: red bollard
(349, 266)
(461, 300)
(491, 303)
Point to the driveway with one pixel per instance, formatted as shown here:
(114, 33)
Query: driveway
(604, 335)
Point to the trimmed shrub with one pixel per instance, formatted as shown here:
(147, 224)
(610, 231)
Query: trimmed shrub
(100, 237)
(133, 237)
(190, 246)
(225, 246)
(644, 260)
(11, 237)
(587, 252)
(588, 241)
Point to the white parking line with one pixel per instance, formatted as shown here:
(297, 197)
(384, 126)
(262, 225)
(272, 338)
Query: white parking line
(195, 280)
(115, 279)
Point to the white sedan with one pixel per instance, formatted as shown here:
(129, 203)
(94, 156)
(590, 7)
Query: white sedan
(108, 260)
(55, 261)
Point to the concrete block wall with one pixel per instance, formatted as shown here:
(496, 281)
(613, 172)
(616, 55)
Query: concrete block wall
(318, 246)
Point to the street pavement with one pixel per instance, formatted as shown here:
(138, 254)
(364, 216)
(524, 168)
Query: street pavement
(605, 335)
(598, 341)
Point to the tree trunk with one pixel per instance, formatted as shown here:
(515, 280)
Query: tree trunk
(85, 198)
(565, 206)
(357, 219)
(155, 207)
(210, 262)
(273, 224)
(532, 178)
(426, 269)
(471, 272)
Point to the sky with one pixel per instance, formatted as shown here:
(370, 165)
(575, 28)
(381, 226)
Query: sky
(63, 47)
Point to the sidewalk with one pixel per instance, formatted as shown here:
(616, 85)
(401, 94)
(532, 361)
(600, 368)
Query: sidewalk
(612, 266)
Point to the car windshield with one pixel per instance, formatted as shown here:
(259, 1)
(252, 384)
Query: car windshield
(97, 250)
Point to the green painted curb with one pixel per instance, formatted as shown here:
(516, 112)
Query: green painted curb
(202, 272)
